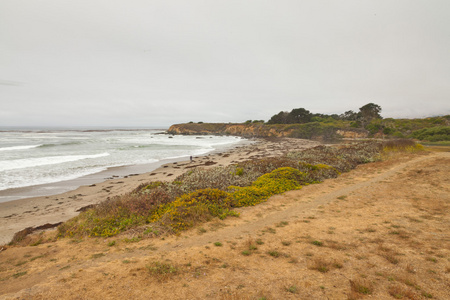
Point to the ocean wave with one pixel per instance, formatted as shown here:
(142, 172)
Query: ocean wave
(43, 161)
(34, 180)
(13, 148)
(161, 147)
(62, 144)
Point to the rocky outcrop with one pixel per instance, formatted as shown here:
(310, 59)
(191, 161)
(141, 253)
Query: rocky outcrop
(243, 130)
(353, 133)
(314, 131)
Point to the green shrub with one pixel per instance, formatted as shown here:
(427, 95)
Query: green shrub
(373, 128)
(162, 271)
(313, 130)
(388, 130)
(398, 135)
(433, 134)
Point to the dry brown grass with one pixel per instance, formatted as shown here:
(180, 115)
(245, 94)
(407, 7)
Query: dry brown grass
(399, 292)
(324, 265)
(389, 254)
(360, 287)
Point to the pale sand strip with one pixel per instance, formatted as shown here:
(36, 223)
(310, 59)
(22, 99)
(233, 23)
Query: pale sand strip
(31, 212)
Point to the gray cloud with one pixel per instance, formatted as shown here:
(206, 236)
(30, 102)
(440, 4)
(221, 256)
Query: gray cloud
(141, 63)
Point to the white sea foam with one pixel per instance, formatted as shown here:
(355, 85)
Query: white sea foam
(13, 148)
(31, 179)
(43, 161)
(47, 157)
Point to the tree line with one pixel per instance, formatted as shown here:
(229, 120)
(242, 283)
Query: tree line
(364, 116)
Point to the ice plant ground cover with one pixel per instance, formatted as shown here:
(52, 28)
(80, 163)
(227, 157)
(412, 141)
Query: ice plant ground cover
(201, 194)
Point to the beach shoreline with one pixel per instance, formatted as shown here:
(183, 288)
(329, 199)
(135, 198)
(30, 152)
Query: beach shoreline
(114, 172)
(19, 214)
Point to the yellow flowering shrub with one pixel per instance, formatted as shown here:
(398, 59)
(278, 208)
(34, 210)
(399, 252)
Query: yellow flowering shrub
(192, 208)
(275, 182)
(248, 196)
(280, 180)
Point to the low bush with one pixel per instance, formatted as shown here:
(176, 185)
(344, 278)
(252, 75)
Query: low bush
(162, 271)
(281, 180)
(343, 158)
(276, 182)
(115, 214)
(404, 145)
(193, 208)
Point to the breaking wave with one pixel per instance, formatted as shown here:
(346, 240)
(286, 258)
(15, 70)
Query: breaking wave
(43, 161)
(13, 148)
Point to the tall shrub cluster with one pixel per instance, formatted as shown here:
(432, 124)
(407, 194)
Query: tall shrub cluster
(364, 116)
(433, 134)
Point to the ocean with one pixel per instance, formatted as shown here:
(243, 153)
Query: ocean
(35, 162)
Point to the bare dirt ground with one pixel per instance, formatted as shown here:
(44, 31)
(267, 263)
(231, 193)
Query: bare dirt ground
(380, 231)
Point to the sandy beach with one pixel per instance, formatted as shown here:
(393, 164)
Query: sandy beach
(37, 211)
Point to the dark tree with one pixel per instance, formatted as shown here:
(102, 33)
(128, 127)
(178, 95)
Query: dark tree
(299, 115)
(334, 116)
(369, 112)
(280, 118)
(366, 114)
(349, 115)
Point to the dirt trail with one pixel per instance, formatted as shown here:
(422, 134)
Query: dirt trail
(381, 230)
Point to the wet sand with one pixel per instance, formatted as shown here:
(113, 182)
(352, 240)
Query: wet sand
(36, 211)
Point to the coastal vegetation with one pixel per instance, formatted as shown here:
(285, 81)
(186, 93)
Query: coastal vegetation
(157, 208)
(366, 114)
(301, 123)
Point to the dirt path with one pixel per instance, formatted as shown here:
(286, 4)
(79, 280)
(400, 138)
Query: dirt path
(380, 231)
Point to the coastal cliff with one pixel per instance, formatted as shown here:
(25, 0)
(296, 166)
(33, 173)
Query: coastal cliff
(313, 130)
(433, 129)
(244, 130)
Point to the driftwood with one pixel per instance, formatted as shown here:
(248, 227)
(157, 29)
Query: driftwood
(20, 235)
(84, 208)
(208, 163)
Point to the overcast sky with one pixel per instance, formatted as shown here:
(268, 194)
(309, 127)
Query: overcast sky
(155, 63)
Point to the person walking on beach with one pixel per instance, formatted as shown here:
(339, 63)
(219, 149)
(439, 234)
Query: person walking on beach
(191, 158)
